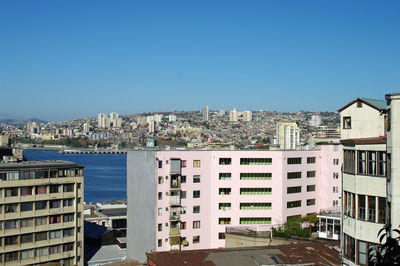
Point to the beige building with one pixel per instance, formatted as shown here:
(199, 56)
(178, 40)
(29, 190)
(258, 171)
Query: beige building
(365, 172)
(247, 116)
(233, 115)
(287, 135)
(41, 213)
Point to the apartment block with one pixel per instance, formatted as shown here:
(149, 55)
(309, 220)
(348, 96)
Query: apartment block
(366, 179)
(185, 200)
(41, 213)
(287, 135)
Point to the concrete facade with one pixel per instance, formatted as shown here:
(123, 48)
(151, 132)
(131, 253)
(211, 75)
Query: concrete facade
(41, 213)
(190, 206)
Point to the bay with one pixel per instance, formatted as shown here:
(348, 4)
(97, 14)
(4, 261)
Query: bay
(105, 174)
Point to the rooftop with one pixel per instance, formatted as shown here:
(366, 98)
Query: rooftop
(315, 253)
(38, 164)
(379, 105)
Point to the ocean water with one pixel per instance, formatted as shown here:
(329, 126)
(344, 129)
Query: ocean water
(105, 174)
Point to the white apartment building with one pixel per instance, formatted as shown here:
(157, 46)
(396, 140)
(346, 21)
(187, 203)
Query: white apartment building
(205, 113)
(369, 141)
(41, 213)
(288, 135)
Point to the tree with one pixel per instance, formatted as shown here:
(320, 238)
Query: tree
(310, 219)
(388, 252)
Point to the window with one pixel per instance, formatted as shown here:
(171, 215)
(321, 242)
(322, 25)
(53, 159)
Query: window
(221, 235)
(41, 190)
(68, 247)
(68, 188)
(349, 161)
(183, 226)
(54, 219)
(196, 209)
(26, 254)
(42, 251)
(159, 211)
(54, 189)
(293, 175)
(26, 206)
(183, 179)
(196, 163)
(382, 163)
(26, 222)
(159, 195)
(335, 203)
(255, 220)
(255, 191)
(159, 164)
(26, 238)
(68, 202)
(224, 191)
(361, 207)
(346, 122)
(310, 188)
(11, 256)
(26, 191)
(40, 205)
(55, 204)
(371, 163)
(160, 180)
(371, 209)
(196, 224)
(362, 252)
(310, 160)
(296, 160)
(68, 218)
(41, 236)
(196, 194)
(10, 208)
(224, 220)
(159, 227)
(291, 190)
(196, 179)
(255, 206)
(68, 232)
(361, 162)
(225, 161)
(255, 176)
(183, 194)
(335, 190)
(55, 249)
(294, 204)
(255, 161)
(335, 175)
(11, 224)
(225, 176)
(196, 239)
(224, 206)
(11, 192)
(41, 221)
(159, 242)
(310, 174)
(183, 163)
(335, 161)
(310, 202)
(54, 234)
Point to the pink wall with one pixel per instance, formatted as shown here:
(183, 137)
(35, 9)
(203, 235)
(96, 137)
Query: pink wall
(209, 189)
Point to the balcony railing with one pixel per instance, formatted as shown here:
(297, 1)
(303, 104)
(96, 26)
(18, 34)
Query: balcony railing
(174, 217)
(175, 184)
(175, 200)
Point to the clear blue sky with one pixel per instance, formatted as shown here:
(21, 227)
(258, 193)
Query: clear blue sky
(72, 59)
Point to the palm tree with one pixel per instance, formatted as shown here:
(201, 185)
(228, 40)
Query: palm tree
(388, 252)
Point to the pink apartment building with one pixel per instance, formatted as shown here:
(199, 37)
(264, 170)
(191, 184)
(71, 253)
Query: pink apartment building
(184, 199)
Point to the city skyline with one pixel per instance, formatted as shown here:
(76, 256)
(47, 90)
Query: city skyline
(74, 60)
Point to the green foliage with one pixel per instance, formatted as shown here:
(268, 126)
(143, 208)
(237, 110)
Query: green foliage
(389, 250)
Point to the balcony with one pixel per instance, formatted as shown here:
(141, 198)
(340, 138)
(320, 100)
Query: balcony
(174, 231)
(175, 168)
(175, 200)
(175, 183)
(174, 217)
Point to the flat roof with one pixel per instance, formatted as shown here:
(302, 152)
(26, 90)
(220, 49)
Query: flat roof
(38, 164)
(319, 253)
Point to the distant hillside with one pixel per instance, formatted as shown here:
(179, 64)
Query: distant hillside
(21, 122)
